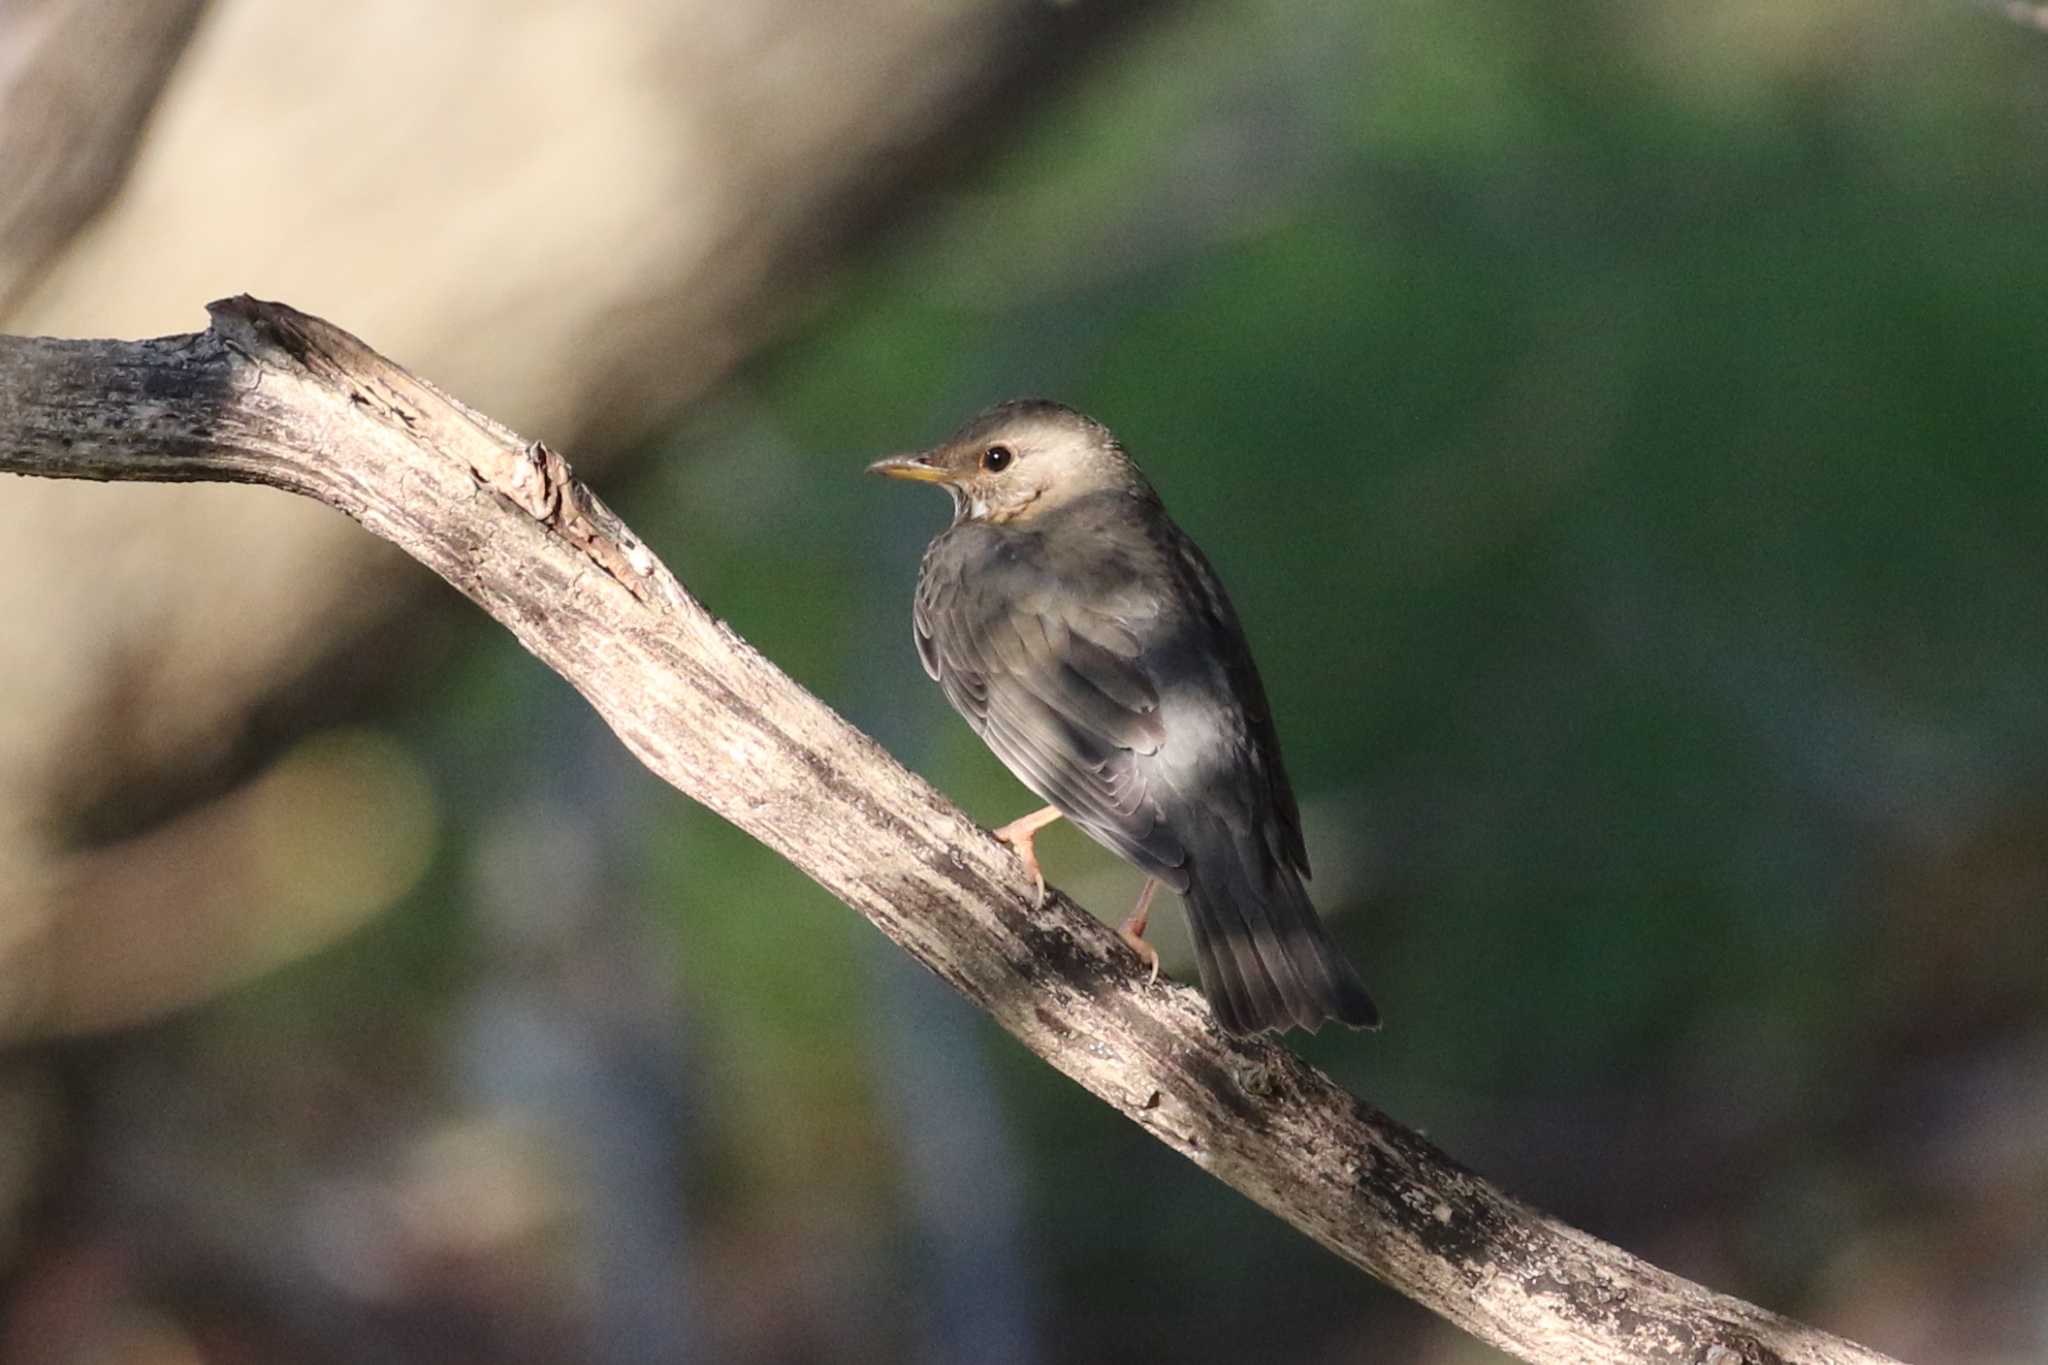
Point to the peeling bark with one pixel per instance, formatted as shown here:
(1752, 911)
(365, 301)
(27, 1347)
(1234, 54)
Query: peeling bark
(272, 396)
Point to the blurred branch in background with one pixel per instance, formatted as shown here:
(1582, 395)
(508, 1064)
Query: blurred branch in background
(273, 396)
(579, 216)
(78, 79)
(2020, 12)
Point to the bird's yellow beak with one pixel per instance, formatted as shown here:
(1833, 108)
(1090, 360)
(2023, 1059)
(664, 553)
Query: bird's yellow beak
(917, 468)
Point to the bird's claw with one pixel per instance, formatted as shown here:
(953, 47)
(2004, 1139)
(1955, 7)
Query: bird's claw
(1145, 951)
(1019, 834)
(1021, 845)
(1132, 930)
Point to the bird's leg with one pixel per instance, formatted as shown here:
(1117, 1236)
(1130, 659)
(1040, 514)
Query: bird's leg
(1132, 931)
(1018, 834)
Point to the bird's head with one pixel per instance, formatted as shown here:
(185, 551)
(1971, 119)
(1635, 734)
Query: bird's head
(1019, 459)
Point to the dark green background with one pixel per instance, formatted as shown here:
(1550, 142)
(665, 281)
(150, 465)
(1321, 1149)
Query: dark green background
(1621, 428)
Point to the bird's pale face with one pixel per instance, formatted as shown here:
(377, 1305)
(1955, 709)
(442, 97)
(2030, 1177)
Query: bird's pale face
(1018, 460)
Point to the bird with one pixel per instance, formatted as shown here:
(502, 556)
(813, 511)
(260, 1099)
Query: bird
(1089, 643)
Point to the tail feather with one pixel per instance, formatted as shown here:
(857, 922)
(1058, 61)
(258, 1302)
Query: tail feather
(1265, 959)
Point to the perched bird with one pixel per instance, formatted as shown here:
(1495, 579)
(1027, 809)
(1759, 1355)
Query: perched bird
(1089, 643)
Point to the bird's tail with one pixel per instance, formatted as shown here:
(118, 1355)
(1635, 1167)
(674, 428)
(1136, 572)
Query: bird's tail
(1265, 959)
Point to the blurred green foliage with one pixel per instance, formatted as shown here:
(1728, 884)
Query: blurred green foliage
(1622, 430)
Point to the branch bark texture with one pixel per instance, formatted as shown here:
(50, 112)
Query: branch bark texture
(272, 396)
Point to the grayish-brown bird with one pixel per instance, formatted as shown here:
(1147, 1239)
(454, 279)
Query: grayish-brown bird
(1089, 643)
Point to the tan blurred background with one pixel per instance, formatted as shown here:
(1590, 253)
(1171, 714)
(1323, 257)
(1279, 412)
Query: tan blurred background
(578, 218)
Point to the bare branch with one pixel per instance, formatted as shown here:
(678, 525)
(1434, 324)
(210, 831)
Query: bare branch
(270, 395)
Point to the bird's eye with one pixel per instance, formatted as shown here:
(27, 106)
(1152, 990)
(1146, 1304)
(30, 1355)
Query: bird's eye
(997, 458)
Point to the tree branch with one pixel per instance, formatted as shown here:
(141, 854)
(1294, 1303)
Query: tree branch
(270, 395)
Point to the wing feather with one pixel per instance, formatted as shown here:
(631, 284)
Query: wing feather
(1057, 691)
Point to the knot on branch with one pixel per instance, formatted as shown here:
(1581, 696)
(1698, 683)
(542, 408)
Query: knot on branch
(541, 484)
(533, 478)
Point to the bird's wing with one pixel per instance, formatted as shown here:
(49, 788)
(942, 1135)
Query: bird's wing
(1053, 684)
(1266, 794)
(1265, 959)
